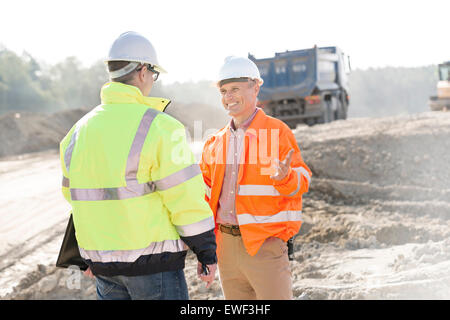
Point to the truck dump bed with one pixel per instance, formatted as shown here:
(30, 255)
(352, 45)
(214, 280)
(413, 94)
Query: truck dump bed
(297, 73)
(304, 86)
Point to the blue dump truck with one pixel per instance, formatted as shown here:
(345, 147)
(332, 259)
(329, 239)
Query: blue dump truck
(305, 86)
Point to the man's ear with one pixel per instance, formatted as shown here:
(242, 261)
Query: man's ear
(142, 74)
(256, 87)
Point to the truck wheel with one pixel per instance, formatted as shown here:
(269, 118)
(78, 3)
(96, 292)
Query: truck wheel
(310, 121)
(341, 110)
(329, 112)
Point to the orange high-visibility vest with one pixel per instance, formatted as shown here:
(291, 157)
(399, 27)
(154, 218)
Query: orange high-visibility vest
(264, 207)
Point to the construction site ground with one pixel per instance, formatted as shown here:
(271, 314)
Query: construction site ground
(376, 220)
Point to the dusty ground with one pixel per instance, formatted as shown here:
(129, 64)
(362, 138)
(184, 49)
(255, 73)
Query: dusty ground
(376, 220)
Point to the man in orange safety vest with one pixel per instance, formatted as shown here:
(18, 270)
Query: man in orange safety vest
(255, 177)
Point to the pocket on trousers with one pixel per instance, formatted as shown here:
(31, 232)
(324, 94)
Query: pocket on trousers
(155, 286)
(104, 286)
(283, 245)
(146, 287)
(276, 246)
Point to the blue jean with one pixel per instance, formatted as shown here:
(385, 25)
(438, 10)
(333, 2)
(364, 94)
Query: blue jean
(169, 285)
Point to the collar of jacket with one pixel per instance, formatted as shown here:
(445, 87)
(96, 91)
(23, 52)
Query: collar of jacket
(255, 124)
(120, 93)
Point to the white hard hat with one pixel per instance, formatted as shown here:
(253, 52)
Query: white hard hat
(239, 67)
(133, 47)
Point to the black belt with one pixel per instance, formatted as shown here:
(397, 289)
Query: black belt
(233, 230)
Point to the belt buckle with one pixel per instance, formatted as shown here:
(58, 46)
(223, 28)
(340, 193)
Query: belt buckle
(235, 231)
(231, 230)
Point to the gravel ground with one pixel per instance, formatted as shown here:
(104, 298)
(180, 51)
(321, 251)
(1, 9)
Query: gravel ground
(376, 218)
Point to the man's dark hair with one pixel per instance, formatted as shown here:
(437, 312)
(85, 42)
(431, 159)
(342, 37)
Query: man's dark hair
(116, 65)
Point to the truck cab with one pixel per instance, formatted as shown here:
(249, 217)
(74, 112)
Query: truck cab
(305, 86)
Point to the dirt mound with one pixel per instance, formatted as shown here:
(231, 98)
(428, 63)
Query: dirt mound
(25, 132)
(403, 157)
(387, 180)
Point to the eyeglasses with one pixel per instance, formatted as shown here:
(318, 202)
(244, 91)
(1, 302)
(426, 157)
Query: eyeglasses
(155, 74)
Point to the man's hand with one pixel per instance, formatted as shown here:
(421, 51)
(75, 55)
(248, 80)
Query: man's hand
(211, 275)
(88, 273)
(282, 168)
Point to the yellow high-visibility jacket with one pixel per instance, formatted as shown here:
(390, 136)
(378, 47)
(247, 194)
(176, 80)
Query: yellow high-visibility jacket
(136, 192)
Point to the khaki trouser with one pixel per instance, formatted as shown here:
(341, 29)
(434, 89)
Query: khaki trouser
(265, 276)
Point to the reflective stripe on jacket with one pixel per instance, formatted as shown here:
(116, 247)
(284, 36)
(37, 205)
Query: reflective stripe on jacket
(136, 192)
(264, 207)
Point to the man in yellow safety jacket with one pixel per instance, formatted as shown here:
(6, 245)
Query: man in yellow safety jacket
(136, 202)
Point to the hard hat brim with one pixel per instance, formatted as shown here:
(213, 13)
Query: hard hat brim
(156, 67)
(240, 79)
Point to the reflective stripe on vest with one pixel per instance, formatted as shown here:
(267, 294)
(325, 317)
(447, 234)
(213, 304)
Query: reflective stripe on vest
(133, 188)
(196, 228)
(138, 143)
(257, 190)
(132, 255)
(130, 191)
(69, 150)
(269, 190)
(282, 216)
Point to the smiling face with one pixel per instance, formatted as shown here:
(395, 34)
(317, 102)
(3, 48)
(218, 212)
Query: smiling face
(239, 99)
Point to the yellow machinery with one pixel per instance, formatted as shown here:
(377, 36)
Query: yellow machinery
(442, 100)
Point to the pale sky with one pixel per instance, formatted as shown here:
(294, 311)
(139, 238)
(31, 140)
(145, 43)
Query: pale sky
(192, 37)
